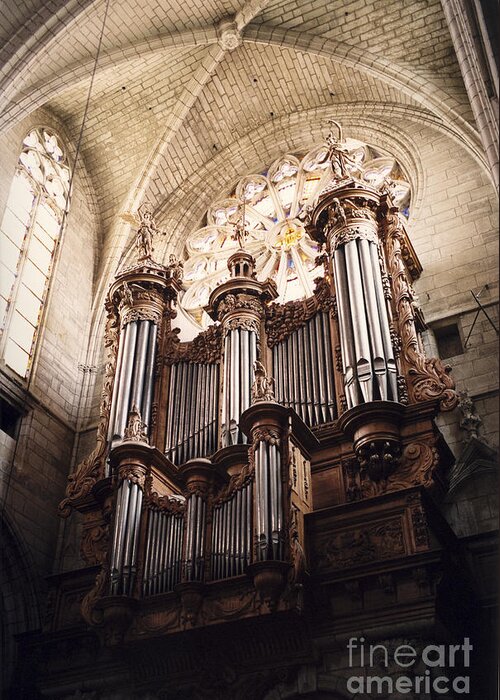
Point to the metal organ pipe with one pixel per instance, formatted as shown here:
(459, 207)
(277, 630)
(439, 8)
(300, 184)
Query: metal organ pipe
(384, 316)
(240, 352)
(345, 329)
(123, 397)
(139, 364)
(147, 395)
(364, 369)
(367, 354)
(191, 429)
(303, 366)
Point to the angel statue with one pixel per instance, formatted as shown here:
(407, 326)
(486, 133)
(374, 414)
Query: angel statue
(340, 158)
(240, 232)
(263, 386)
(146, 231)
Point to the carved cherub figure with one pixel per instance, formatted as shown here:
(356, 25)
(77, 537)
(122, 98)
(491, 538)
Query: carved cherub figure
(263, 386)
(145, 233)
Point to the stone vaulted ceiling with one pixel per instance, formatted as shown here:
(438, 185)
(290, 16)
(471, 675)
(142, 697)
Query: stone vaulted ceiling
(189, 95)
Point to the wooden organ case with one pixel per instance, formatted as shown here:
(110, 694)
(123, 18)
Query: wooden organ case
(284, 464)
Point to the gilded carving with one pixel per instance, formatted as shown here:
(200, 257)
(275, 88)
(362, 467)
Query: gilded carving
(428, 377)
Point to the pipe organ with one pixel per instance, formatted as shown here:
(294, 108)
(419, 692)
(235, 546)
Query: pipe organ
(217, 447)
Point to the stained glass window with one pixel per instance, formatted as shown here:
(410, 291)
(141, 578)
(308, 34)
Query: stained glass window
(273, 205)
(29, 233)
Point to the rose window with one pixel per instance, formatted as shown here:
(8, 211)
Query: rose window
(271, 206)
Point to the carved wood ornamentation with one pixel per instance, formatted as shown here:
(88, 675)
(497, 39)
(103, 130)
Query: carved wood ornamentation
(354, 546)
(206, 348)
(428, 378)
(416, 467)
(91, 469)
(283, 319)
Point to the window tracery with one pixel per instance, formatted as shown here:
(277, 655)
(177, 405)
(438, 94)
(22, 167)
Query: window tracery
(275, 203)
(29, 234)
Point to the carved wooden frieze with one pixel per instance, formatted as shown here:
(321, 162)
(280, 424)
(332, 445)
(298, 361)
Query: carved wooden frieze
(352, 546)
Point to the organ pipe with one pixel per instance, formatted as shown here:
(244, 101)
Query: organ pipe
(191, 429)
(240, 352)
(303, 366)
(368, 358)
(125, 538)
(231, 534)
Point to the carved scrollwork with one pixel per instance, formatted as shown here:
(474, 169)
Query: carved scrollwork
(263, 386)
(429, 377)
(237, 302)
(94, 543)
(353, 233)
(153, 500)
(355, 546)
(247, 324)
(323, 297)
(133, 473)
(269, 435)
(141, 315)
(283, 319)
(229, 607)
(236, 482)
(136, 429)
(206, 348)
(91, 469)
(90, 614)
(418, 464)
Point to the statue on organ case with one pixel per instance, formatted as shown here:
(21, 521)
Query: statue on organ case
(263, 386)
